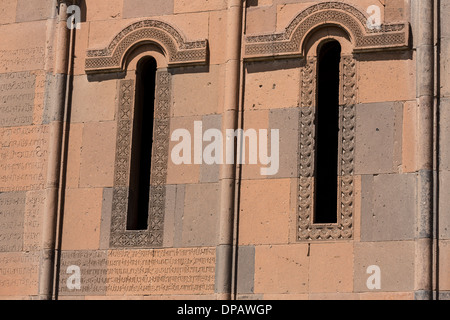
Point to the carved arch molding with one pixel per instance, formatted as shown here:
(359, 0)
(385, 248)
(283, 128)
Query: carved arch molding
(291, 41)
(176, 48)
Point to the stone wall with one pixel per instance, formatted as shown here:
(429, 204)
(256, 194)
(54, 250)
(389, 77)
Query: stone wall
(177, 259)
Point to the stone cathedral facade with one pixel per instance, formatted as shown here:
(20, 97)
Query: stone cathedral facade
(224, 149)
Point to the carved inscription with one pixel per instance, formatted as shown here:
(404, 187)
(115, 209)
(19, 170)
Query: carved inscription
(17, 93)
(19, 273)
(12, 207)
(32, 222)
(92, 266)
(23, 154)
(22, 59)
(156, 271)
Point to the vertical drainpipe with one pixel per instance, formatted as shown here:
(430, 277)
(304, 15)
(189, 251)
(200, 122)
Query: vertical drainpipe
(423, 284)
(55, 105)
(224, 259)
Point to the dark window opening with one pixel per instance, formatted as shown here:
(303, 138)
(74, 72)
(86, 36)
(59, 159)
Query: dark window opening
(142, 143)
(327, 133)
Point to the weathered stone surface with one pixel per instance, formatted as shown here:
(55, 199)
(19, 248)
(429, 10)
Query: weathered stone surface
(19, 273)
(378, 138)
(396, 263)
(144, 8)
(93, 269)
(33, 10)
(161, 271)
(246, 269)
(98, 154)
(264, 215)
(282, 269)
(23, 154)
(388, 207)
(200, 216)
(82, 216)
(336, 274)
(17, 95)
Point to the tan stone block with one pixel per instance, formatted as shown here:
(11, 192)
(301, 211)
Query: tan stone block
(272, 85)
(181, 6)
(99, 38)
(334, 275)
(261, 20)
(39, 97)
(387, 296)
(281, 269)
(386, 77)
(217, 32)
(395, 11)
(395, 260)
(30, 10)
(145, 8)
(17, 98)
(200, 217)
(183, 173)
(7, 11)
(334, 296)
(74, 155)
(82, 217)
(409, 151)
(81, 46)
(254, 120)
(275, 296)
(287, 12)
(444, 265)
(23, 156)
(357, 211)
(194, 26)
(22, 47)
(93, 100)
(98, 154)
(104, 10)
(189, 86)
(264, 215)
(19, 273)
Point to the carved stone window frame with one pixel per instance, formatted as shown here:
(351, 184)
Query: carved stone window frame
(170, 49)
(307, 230)
(295, 42)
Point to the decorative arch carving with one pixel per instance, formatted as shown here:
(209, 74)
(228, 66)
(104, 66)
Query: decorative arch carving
(291, 41)
(177, 49)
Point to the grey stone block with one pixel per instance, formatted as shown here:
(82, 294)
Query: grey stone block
(246, 270)
(200, 217)
(378, 137)
(210, 172)
(287, 122)
(388, 207)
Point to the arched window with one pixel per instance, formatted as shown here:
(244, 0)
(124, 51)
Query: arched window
(142, 145)
(327, 133)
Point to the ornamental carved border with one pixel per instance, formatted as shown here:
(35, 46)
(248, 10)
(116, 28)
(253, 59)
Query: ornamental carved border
(291, 41)
(153, 236)
(177, 49)
(307, 230)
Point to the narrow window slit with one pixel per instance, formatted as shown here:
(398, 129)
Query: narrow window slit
(142, 143)
(327, 133)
